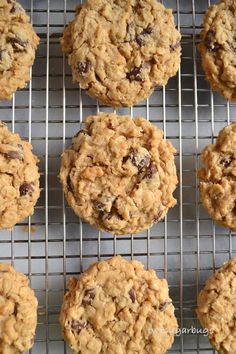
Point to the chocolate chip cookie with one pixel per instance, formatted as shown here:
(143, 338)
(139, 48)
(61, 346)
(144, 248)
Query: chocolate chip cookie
(18, 43)
(120, 50)
(217, 307)
(119, 174)
(218, 176)
(18, 312)
(218, 47)
(19, 178)
(118, 307)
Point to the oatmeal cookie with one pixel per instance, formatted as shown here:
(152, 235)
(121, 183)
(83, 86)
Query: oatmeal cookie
(217, 307)
(218, 47)
(120, 50)
(18, 312)
(18, 43)
(118, 307)
(218, 176)
(19, 178)
(119, 174)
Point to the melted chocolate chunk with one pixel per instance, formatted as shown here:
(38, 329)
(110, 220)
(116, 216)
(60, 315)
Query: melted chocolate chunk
(14, 155)
(132, 295)
(78, 325)
(210, 41)
(18, 44)
(105, 215)
(26, 188)
(140, 38)
(135, 74)
(226, 161)
(140, 163)
(83, 67)
(151, 171)
(163, 306)
(68, 183)
(89, 295)
(15, 310)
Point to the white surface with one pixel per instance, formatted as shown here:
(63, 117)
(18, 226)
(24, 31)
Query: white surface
(185, 248)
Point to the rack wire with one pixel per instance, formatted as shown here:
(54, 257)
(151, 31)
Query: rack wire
(54, 244)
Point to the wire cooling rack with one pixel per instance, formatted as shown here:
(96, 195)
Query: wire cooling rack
(53, 244)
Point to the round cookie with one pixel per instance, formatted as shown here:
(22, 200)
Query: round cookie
(217, 307)
(118, 307)
(18, 312)
(18, 43)
(19, 179)
(217, 186)
(120, 50)
(119, 174)
(218, 47)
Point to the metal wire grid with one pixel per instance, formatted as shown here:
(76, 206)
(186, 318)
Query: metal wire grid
(53, 244)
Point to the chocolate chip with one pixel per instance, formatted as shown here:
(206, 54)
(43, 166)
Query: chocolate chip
(13, 9)
(210, 41)
(163, 306)
(68, 183)
(140, 162)
(151, 171)
(89, 295)
(78, 325)
(83, 67)
(26, 188)
(132, 295)
(140, 38)
(158, 216)
(15, 310)
(14, 155)
(18, 44)
(3, 271)
(135, 74)
(226, 161)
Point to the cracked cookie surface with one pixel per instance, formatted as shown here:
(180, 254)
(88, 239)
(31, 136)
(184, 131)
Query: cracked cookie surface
(120, 50)
(217, 306)
(18, 312)
(218, 47)
(119, 174)
(19, 179)
(18, 43)
(218, 176)
(117, 307)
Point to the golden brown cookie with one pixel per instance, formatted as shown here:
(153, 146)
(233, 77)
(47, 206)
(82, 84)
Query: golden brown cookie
(217, 306)
(119, 174)
(18, 43)
(218, 47)
(19, 179)
(217, 186)
(18, 312)
(120, 50)
(118, 307)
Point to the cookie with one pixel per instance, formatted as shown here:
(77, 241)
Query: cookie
(218, 48)
(217, 186)
(217, 307)
(18, 43)
(19, 179)
(18, 312)
(120, 50)
(119, 174)
(118, 307)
